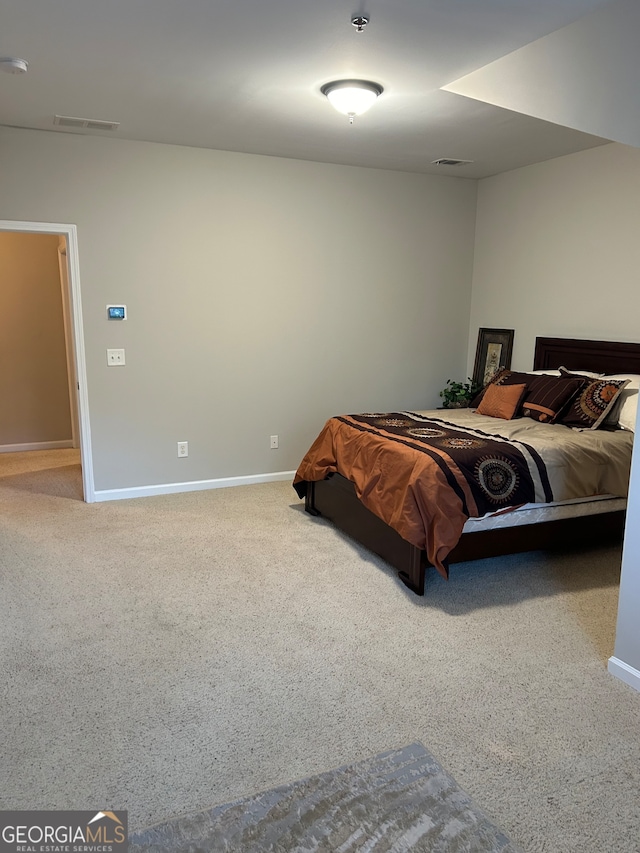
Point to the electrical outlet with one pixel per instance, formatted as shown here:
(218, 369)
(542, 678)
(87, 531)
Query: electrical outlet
(183, 448)
(115, 357)
(274, 442)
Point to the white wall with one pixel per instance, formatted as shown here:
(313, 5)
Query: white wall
(557, 250)
(263, 294)
(625, 663)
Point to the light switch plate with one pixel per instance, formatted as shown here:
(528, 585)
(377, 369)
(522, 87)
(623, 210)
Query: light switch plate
(115, 357)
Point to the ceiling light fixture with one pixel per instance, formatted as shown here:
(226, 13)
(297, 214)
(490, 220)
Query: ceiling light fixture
(13, 66)
(352, 97)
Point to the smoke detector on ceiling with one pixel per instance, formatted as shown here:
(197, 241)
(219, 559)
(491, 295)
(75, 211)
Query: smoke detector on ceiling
(12, 65)
(359, 22)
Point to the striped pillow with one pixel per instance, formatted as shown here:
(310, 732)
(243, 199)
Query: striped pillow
(548, 396)
(545, 396)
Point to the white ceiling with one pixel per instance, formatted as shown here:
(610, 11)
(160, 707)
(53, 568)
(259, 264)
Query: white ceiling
(245, 75)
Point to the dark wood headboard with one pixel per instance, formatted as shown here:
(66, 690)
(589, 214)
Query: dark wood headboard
(599, 356)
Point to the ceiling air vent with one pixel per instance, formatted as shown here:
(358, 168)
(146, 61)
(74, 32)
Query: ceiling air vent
(448, 161)
(85, 123)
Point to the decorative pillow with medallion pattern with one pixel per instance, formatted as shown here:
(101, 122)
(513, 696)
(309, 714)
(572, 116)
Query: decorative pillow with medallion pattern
(589, 408)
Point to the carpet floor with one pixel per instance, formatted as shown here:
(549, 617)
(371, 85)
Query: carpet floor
(163, 655)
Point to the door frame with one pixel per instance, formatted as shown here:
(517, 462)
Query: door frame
(63, 266)
(76, 328)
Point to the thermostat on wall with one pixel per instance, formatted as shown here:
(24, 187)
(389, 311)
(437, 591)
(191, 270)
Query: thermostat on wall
(117, 312)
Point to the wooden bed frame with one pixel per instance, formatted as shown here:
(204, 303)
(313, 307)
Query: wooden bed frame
(335, 498)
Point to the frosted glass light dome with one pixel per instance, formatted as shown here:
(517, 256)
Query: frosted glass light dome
(352, 97)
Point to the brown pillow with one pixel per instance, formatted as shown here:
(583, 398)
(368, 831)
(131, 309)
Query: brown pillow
(501, 401)
(590, 407)
(547, 396)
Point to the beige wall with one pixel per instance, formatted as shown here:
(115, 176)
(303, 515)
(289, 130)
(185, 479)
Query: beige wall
(264, 295)
(570, 244)
(33, 368)
(585, 75)
(557, 253)
(557, 250)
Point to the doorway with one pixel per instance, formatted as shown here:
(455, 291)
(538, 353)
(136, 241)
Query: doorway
(75, 376)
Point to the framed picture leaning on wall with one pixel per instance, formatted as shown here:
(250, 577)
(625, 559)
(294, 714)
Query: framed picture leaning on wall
(492, 354)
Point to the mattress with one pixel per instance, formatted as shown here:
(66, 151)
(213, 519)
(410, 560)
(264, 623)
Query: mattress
(536, 513)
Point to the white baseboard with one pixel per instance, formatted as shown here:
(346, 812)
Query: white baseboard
(193, 486)
(624, 672)
(35, 445)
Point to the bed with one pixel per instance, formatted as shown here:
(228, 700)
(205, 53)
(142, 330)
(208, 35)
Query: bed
(539, 511)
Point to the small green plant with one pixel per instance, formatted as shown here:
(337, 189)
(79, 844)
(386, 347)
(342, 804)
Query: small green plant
(459, 394)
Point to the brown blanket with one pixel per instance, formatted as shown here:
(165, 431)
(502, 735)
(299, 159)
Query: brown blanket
(425, 476)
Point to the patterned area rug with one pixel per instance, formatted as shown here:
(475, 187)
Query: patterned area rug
(399, 801)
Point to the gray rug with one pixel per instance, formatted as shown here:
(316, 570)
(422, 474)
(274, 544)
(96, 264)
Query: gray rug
(397, 801)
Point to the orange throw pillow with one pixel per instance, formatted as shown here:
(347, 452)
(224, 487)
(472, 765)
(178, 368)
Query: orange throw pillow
(501, 401)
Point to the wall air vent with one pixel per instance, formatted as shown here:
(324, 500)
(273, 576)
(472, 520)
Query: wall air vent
(448, 161)
(85, 123)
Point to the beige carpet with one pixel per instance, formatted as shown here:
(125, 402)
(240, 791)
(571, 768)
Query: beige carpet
(168, 654)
